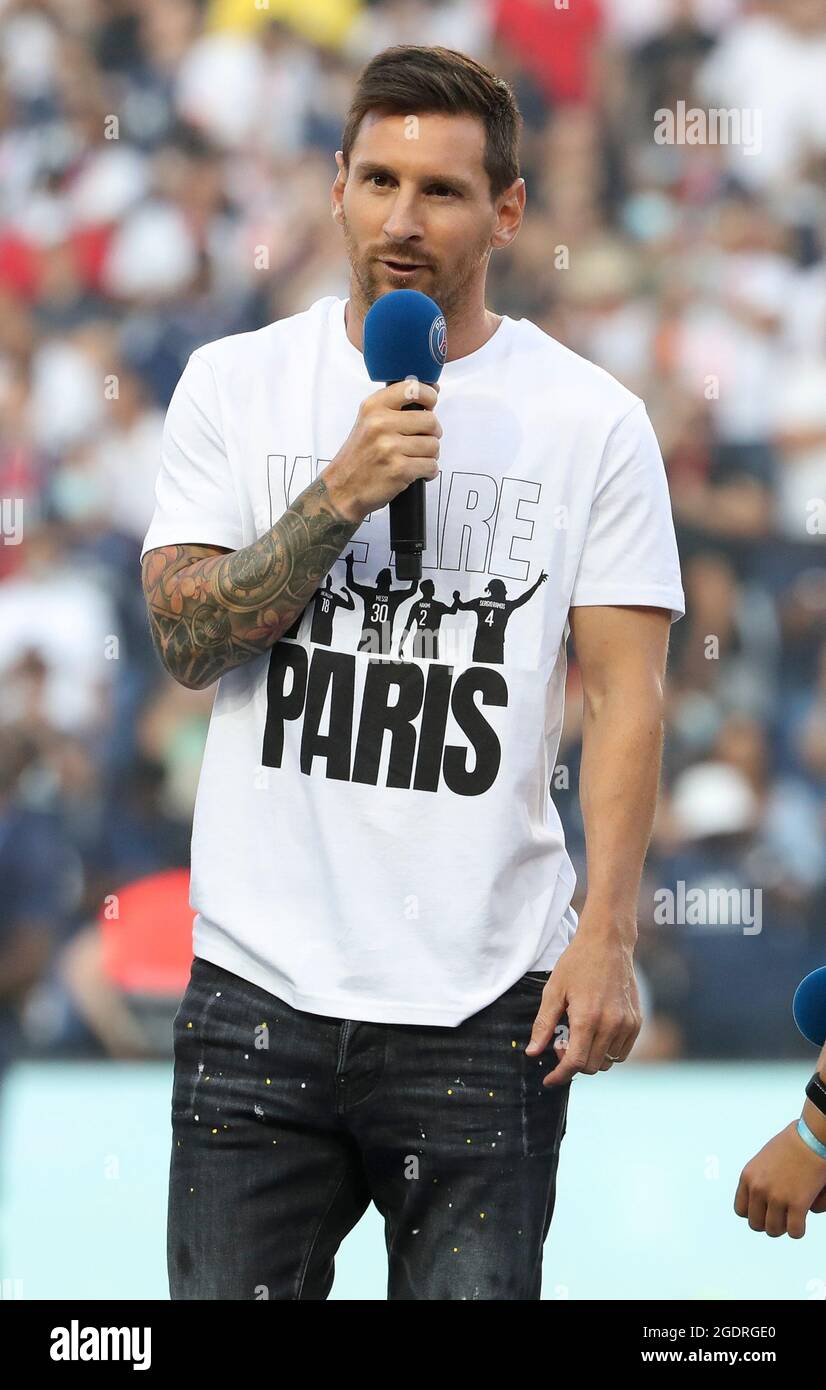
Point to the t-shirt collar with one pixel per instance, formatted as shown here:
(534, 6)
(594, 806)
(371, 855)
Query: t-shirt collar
(460, 367)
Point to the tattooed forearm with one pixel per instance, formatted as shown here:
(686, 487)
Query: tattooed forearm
(210, 611)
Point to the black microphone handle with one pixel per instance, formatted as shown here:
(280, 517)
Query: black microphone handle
(408, 523)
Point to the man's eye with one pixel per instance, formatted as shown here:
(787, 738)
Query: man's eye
(439, 188)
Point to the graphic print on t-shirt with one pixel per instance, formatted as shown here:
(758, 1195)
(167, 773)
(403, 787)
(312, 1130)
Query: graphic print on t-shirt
(425, 617)
(325, 603)
(492, 616)
(432, 718)
(380, 605)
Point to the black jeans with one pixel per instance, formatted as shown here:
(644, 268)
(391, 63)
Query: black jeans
(286, 1124)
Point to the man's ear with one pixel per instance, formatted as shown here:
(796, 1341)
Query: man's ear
(340, 179)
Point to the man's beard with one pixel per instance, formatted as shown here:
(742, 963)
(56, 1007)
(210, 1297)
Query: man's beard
(449, 292)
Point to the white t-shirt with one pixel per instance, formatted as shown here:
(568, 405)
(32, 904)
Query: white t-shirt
(374, 838)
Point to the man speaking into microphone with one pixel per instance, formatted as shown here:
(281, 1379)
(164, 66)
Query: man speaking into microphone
(391, 992)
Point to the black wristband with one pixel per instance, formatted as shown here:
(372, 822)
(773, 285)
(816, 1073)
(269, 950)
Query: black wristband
(816, 1091)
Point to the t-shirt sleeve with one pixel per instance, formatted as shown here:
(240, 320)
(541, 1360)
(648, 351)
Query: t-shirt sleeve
(196, 501)
(630, 551)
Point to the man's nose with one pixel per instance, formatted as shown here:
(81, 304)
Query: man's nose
(403, 220)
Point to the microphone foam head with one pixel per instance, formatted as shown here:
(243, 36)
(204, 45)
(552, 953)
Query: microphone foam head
(809, 1006)
(405, 335)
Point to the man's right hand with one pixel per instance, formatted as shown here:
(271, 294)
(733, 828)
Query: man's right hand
(386, 449)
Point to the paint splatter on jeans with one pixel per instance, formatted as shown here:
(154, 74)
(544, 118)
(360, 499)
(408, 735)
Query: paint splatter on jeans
(287, 1124)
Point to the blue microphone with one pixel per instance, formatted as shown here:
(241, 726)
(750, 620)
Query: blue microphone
(809, 1006)
(405, 335)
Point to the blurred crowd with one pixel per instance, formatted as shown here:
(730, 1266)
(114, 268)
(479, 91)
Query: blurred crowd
(165, 168)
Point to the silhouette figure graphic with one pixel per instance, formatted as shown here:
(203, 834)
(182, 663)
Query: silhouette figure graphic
(492, 616)
(325, 603)
(380, 605)
(426, 616)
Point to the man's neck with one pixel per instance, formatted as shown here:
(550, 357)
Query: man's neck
(464, 335)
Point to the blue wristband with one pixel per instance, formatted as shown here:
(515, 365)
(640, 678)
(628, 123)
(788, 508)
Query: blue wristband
(810, 1139)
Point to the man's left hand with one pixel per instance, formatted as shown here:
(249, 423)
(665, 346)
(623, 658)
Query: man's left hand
(593, 982)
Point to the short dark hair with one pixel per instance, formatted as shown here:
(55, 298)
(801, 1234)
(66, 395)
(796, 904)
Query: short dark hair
(414, 79)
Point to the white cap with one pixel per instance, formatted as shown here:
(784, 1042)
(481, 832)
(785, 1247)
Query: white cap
(713, 799)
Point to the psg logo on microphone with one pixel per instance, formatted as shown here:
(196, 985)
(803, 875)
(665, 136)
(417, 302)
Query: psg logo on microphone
(438, 340)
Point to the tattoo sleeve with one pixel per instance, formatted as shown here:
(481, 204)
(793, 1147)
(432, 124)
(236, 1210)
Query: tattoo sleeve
(211, 612)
